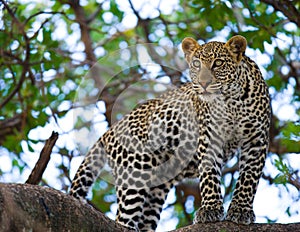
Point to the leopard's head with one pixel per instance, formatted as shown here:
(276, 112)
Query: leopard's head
(215, 64)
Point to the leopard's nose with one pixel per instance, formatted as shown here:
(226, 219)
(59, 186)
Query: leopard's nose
(204, 84)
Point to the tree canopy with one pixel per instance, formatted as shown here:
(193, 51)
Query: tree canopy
(78, 66)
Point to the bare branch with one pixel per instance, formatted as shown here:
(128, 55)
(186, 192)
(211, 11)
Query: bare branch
(39, 168)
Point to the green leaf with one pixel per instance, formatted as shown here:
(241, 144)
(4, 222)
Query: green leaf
(280, 179)
(30, 148)
(115, 10)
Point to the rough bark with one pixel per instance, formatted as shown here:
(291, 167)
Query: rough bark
(230, 226)
(26, 207)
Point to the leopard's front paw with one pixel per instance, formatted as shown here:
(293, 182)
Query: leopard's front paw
(209, 215)
(240, 215)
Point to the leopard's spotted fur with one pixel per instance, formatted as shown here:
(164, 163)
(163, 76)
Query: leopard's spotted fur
(186, 133)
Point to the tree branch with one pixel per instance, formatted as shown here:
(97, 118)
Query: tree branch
(95, 71)
(34, 208)
(24, 63)
(287, 8)
(39, 168)
(231, 226)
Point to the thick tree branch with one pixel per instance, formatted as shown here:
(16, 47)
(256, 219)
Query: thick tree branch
(230, 226)
(34, 208)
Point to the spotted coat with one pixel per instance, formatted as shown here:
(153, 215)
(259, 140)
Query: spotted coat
(189, 132)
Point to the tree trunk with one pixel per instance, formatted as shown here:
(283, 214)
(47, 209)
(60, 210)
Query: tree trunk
(25, 207)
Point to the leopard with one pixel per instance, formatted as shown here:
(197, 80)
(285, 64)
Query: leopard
(192, 131)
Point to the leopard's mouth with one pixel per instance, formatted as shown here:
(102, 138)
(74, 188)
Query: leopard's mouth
(209, 89)
(211, 93)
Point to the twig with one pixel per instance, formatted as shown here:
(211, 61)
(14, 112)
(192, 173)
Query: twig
(39, 168)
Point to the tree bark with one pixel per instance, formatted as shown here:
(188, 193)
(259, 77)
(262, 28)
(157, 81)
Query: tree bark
(26, 207)
(231, 226)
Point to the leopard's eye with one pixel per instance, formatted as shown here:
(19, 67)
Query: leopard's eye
(196, 63)
(218, 63)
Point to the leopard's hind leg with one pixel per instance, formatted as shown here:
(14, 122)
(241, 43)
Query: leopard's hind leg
(140, 208)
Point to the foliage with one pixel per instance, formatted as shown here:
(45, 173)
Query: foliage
(66, 57)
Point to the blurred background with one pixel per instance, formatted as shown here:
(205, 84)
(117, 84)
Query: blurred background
(76, 67)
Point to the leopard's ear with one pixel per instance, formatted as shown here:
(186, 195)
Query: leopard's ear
(236, 45)
(189, 46)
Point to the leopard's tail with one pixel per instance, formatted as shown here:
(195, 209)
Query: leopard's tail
(88, 171)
